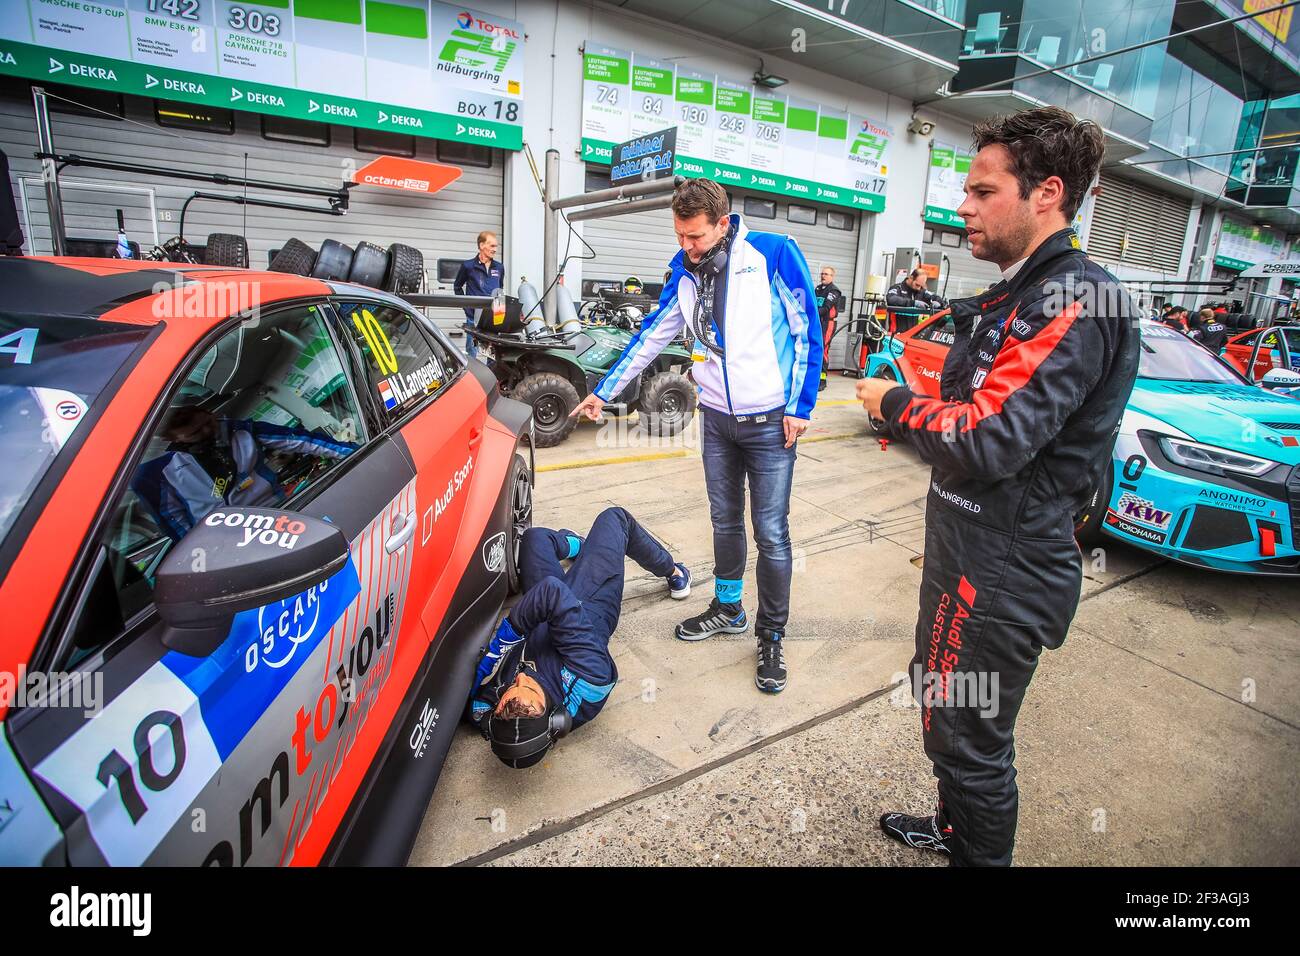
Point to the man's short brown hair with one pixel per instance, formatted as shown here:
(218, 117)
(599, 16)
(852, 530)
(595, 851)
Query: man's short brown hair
(1048, 142)
(485, 235)
(697, 196)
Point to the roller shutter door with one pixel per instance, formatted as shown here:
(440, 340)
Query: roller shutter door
(1136, 225)
(643, 244)
(444, 225)
(966, 276)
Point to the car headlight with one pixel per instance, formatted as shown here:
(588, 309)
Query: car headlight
(1209, 458)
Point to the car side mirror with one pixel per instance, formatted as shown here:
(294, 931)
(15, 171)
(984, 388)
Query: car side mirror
(236, 559)
(1280, 378)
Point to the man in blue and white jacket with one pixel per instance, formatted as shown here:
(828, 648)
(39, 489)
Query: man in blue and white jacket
(748, 300)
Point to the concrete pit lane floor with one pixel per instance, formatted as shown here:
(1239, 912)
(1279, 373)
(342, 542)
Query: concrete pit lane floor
(1166, 731)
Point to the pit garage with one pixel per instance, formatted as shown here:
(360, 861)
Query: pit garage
(198, 139)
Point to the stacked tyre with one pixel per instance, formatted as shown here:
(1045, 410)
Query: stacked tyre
(398, 269)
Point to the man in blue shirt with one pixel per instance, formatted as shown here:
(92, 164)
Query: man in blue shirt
(482, 275)
(548, 669)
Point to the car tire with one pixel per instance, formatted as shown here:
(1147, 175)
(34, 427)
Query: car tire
(226, 249)
(876, 424)
(667, 404)
(405, 269)
(552, 398)
(333, 261)
(295, 258)
(1088, 523)
(520, 483)
(369, 265)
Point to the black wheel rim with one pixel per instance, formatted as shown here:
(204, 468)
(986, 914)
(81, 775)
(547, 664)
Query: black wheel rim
(548, 410)
(672, 404)
(521, 510)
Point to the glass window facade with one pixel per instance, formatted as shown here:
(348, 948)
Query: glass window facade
(1194, 116)
(1056, 32)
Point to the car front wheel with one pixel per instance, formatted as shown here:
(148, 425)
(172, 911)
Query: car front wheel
(520, 483)
(1087, 524)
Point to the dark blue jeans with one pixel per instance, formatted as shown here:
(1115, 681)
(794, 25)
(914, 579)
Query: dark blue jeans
(733, 452)
(596, 575)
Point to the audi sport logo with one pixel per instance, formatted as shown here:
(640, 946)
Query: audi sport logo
(494, 552)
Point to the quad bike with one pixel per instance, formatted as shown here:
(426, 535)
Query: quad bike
(552, 371)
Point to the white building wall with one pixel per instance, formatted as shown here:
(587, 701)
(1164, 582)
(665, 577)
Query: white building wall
(552, 119)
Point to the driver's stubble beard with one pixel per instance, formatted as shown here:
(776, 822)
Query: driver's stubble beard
(1011, 244)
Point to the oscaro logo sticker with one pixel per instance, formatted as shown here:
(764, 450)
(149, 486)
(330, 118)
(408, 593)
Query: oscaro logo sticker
(494, 552)
(282, 530)
(282, 627)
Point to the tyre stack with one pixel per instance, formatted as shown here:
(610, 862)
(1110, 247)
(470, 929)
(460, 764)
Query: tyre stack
(398, 269)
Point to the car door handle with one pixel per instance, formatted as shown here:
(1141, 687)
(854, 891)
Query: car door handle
(475, 436)
(397, 541)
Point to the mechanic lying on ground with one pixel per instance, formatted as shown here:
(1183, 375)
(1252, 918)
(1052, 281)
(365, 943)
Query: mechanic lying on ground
(548, 669)
(213, 461)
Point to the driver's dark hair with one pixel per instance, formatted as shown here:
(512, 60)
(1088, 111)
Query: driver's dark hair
(697, 196)
(1045, 142)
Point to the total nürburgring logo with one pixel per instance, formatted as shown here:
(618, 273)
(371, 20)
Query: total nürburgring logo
(464, 20)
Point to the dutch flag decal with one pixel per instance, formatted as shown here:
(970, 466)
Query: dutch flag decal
(386, 393)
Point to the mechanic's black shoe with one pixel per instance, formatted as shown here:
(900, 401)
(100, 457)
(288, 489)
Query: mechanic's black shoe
(770, 676)
(921, 833)
(821, 384)
(718, 619)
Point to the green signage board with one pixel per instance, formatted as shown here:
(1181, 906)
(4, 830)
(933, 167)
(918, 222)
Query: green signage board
(408, 66)
(733, 132)
(944, 191)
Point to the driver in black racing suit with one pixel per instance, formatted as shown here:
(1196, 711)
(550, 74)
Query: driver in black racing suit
(1032, 393)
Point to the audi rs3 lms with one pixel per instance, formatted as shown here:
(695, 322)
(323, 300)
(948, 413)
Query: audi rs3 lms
(1206, 467)
(255, 530)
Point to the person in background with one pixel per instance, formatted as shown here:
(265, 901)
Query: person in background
(1209, 331)
(830, 301)
(481, 275)
(1176, 318)
(911, 293)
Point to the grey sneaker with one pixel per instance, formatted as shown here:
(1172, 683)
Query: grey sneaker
(770, 676)
(718, 619)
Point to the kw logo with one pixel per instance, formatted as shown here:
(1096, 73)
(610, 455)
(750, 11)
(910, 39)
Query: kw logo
(1139, 509)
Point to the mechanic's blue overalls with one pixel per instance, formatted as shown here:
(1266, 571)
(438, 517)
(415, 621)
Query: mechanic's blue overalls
(567, 617)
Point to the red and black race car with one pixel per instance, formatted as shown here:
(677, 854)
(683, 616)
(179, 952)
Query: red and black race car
(255, 530)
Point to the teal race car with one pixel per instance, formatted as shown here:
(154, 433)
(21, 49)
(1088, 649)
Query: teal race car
(1206, 467)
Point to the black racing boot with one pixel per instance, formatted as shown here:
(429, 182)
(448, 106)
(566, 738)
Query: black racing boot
(921, 833)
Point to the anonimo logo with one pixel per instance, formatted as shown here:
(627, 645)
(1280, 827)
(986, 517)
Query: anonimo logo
(494, 552)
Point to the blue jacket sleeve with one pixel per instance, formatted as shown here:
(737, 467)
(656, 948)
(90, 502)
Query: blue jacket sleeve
(657, 330)
(295, 440)
(798, 295)
(462, 276)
